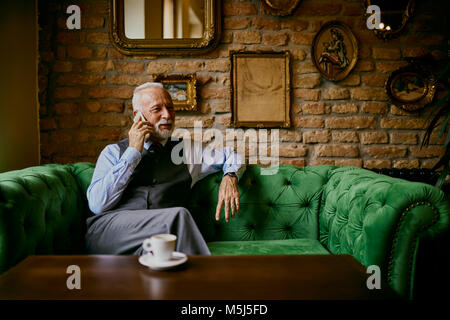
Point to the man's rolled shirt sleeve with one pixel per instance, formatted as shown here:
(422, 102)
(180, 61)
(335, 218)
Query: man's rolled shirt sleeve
(111, 176)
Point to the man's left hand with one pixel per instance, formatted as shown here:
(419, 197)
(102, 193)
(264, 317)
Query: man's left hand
(228, 197)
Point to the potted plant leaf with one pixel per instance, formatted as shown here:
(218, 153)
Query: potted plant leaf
(438, 119)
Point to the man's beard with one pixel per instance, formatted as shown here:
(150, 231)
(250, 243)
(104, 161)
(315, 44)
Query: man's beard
(166, 133)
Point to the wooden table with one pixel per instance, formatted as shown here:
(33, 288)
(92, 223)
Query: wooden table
(273, 277)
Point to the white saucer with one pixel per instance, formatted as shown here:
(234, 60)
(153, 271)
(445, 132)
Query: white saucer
(149, 261)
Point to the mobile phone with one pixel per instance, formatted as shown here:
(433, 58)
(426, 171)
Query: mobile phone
(138, 116)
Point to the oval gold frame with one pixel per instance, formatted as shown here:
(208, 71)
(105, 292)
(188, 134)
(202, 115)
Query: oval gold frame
(283, 9)
(210, 39)
(416, 104)
(353, 40)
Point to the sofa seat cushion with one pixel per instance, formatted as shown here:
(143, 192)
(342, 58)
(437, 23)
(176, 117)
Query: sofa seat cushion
(288, 246)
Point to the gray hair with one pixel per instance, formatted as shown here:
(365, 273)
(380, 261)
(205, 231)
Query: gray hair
(137, 96)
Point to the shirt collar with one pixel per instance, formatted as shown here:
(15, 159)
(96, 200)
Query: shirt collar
(148, 143)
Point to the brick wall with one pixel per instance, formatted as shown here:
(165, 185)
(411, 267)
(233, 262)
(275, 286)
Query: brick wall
(85, 85)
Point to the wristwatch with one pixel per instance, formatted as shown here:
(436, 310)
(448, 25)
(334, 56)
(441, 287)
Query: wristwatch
(231, 174)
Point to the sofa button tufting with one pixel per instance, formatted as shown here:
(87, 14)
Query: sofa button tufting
(288, 183)
(288, 228)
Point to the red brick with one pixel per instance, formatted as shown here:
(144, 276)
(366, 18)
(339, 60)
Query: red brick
(130, 67)
(337, 150)
(265, 23)
(335, 94)
(356, 122)
(307, 9)
(239, 9)
(368, 94)
(400, 123)
(301, 38)
(306, 81)
(66, 108)
(111, 106)
(403, 138)
(374, 107)
(69, 122)
(294, 25)
(92, 22)
(375, 79)
(159, 67)
(427, 152)
(275, 39)
(304, 122)
(318, 136)
(348, 162)
(98, 38)
(217, 65)
(307, 94)
(47, 124)
(119, 93)
(247, 37)
(189, 66)
(62, 66)
(68, 37)
(374, 137)
(386, 53)
(406, 164)
(236, 23)
(214, 93)
(377, 164)
(345, 108)
(315, 108)
(344, 136)
(67, 93)
(79, 52)
(385, 151)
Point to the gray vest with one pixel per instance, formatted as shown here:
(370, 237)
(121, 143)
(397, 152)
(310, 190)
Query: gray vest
(156, 182)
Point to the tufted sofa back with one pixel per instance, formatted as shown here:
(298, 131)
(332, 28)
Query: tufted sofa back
(42, 211)
(272, 207)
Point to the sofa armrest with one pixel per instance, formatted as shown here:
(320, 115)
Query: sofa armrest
(42, 211)
(381, 220)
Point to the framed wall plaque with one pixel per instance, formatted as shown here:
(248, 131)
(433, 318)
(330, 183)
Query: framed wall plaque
(411, 88)
(182, 89)
(279, 7)
(334, 50)
(260, 89)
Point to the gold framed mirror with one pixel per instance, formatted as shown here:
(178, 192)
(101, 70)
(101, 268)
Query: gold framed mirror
(394, 16)
(165, 27)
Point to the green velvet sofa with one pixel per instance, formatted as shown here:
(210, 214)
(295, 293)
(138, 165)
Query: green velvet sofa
(400, 226)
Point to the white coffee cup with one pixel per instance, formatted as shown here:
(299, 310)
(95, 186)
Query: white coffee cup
(161, 246)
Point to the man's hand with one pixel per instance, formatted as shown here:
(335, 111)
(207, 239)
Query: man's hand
(228, 196)
(138, 133)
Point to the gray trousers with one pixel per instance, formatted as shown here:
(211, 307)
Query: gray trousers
(122, 232)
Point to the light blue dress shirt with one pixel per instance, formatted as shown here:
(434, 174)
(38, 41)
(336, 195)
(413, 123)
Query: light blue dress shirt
(112, 173)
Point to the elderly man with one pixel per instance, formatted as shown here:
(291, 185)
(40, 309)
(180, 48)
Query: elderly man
(137, 190)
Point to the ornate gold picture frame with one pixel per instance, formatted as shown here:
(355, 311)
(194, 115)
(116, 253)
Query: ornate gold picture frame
(411, 88)
(279, 7)
(182, 89)
(160, 46)
(260, 89)
(334, 50)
